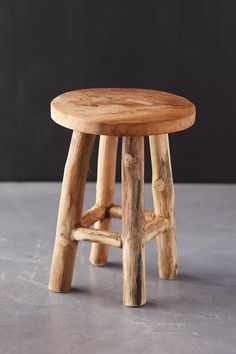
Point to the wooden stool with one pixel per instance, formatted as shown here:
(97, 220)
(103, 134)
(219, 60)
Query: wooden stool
(132, 114)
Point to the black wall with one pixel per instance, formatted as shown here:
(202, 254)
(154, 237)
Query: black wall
(48, 47)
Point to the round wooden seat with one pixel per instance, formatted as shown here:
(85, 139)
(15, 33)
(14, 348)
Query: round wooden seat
(122, 112)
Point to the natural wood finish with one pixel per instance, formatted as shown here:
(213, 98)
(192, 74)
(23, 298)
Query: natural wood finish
(92, 215)
(132, 114)
(134, 288)
(70, 209)
(155, 227)
(98, 236)
(122, 112)
(115, 211)
(106, 175)
(164, 204)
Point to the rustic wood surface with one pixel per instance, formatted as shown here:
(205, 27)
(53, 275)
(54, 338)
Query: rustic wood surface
(70, 209)
(98, 236)
(122, 112)
(164, 204)
(106, 174)
(92, 215)
(155, 227)
(131, 113)
(134, 284)
(115, 211)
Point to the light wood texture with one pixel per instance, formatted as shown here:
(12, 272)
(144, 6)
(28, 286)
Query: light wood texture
(134, 287)
(92, 215)
(115, 211)
(105, 191)
(155, 227)
(164, 204)
(70, 209)
(98, 236)
(122, 112)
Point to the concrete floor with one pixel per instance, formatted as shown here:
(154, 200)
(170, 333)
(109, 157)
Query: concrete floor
(194, 314)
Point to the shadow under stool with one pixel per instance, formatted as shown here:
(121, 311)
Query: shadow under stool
(130, 114)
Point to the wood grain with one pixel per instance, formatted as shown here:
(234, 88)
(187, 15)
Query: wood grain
(92, 215)
(155, 227)
(70, 209)
(98, 236)
(122, 112)
(134, 287)
(105, 192)
(115, 211)
(164, 204)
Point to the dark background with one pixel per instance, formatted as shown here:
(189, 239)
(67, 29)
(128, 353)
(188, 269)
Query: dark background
(48, 47)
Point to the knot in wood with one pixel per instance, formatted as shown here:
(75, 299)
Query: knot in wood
(130, 160)
(159, 184)
(64, 240)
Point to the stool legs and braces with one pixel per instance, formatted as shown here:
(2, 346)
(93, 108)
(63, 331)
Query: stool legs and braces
(138, 226)
(130, 114)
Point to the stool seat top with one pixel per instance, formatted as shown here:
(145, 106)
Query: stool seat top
(122, 111)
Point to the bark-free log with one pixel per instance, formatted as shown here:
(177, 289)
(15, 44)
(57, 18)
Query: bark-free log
(97, 236)
(115, 211)
(105, 191)
(164, 204)
(134, 288)
(92, 215)
(155, 227)
(70, 209)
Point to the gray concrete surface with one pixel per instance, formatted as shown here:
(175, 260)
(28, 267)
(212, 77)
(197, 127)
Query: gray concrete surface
(194, 314)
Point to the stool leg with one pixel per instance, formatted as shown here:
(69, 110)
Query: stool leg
(134, 287)
(70, 209)
(164, 203)
(105, 191)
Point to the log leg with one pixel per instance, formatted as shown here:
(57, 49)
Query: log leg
(105, 192)
(134, 287)
(164, 204)
(70, 209)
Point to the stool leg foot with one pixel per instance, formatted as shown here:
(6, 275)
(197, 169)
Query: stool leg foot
(105, 192)
(164, 203)
(70, 209)
(134, 287)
